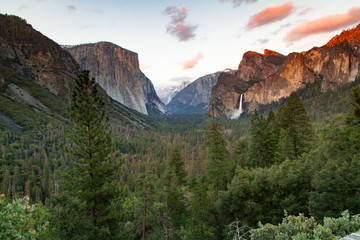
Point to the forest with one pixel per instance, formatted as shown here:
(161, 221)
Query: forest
(289, 170)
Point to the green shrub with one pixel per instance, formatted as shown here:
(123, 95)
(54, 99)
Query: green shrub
(293, 227)
(16, 220)
(343, 225)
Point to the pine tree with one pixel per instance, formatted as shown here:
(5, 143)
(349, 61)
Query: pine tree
(87, 190)
(176, 168)
(262, 144)
(241, 151)
(175, 180)
(354, 114)
(353, 121)
(218, 167)
(285, 147)
(293, 118)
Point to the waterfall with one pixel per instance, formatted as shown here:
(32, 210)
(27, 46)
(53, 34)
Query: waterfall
(237, 112)
(241, 103)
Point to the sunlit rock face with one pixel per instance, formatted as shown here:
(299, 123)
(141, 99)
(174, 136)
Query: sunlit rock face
(264, 78)
(117, 71)
(254, 68)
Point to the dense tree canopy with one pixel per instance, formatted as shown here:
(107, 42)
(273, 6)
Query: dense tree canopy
(186, 178)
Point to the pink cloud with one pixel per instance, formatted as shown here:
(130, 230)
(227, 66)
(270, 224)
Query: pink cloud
(270, 14)
(190, 63)
(178, 27)
(324, 24)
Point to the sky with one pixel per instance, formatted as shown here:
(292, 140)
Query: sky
(179, 40)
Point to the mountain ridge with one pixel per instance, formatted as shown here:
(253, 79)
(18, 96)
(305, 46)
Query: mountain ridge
(267, 80)
(194, 98)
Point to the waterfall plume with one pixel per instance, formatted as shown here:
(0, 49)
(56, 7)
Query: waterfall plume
(237, 112)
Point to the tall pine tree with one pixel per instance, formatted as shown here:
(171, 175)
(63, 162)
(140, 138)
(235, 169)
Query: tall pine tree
(293, 119)
(175, 180)
(219, 168)
(262, 144)
(88, 190)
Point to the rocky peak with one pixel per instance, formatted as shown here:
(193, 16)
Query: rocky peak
(347, 37)
(256, 66)
(117, 72)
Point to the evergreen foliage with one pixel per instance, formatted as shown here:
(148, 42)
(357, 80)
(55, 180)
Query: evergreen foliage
(293, 119)
(218, 167)
(88, 190)
(262, 145)
(185, 183)
(176, 169)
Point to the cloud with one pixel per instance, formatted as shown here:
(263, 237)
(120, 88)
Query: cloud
(71, 8)
(22, 8)
(305, 11)
(282, 27)
(178, 27)
(179, 80)
(270, 14)
(190, 63)
(324, 24)
(84, 27)
(261, 41)
(237, 3)
(97, 10)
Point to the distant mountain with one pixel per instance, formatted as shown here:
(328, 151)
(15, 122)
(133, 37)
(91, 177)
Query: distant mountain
(117, 72)
(266, 78)
(167, 93)
(194, 99)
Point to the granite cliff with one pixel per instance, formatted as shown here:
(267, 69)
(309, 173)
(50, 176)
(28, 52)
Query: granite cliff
(194, 99)
(264, 78)
(117, 71)
(36, 57)
(253, 68)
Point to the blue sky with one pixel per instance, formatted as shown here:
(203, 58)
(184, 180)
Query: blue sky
(185, 39)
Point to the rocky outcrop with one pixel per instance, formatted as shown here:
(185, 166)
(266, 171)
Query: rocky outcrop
(253, 68)
(335, 64)
(35, 56)
(194, 99)
(117, 71)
